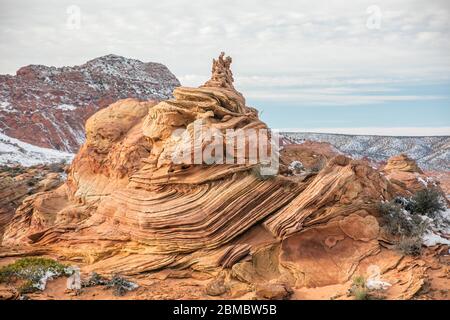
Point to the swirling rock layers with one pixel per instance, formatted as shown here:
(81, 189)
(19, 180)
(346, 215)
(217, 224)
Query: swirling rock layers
(127, 207)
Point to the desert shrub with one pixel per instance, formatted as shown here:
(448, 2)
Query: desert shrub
(314, 169)
(296, 167)
(359, 289)
(319, 165)
(28, 286)
(12, 170)
(427, 202)
(410, 245)
(119, 284)
(410, 228)
(399, 222)
(57, 167)
(32, 182)
(31, 271)
(410, 218)
(94, 280)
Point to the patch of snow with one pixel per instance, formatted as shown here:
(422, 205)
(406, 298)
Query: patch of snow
(437, 227)
(130, 286)
(7, 107)
(431, 153)
(74, 281)
(374, 281)
(296, 166)
(56, 124)
(432, 239)
(14, 151)
(376, 284)
(422, 181)
(42, 283)
(65, 107)
(439, 231)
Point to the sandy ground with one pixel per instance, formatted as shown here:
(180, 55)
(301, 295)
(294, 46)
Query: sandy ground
(190, 285)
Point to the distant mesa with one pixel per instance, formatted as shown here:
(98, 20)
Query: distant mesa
(48, 106)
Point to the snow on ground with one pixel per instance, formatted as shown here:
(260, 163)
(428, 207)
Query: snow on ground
(439, 233)
(65, 107)
(431, 239)
(6, 107)
(14, 151)
(431, 153)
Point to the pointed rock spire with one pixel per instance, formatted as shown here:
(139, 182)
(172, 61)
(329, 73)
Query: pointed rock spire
(221, 76)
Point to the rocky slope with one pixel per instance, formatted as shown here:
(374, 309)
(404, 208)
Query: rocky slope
(213, 229)
(431, 153)
(48, 106)
(18, 183)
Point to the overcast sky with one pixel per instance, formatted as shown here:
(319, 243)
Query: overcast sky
(378, 65)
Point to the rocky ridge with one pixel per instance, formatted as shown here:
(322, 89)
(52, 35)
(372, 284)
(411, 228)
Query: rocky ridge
(48, 106)
(430, 153)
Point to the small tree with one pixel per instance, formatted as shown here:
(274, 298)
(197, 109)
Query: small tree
(410, 245)
(399, 222)
(427, 202)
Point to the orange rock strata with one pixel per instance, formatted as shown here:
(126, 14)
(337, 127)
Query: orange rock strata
(128, 208)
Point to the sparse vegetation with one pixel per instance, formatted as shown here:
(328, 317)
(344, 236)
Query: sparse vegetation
(399, 222)
(409, 218)
(359, 289)
(12, 170)
(119, 284)
(319, 165)
(296, 167)
(315, 169)
(32, 182)
(94, 280)
(31, 272)
(427, 202)
(57, 167)
(410, 245)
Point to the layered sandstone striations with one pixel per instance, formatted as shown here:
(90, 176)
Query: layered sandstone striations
(18, 183)
(407, 177)
(48, 106)
(128, 207)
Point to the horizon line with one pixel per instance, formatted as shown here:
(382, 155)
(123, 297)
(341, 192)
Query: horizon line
(376, 131)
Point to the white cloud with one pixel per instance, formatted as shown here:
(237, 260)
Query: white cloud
(285, 49)
(280, 37)
(324, 99)
(333, 90)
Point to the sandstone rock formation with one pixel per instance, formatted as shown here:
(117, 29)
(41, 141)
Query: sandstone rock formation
(128, 207)
(222, 76)
(443, 178)
(17, 183)
(406, 176)
(48, 106)
(402, 163)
